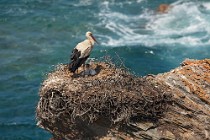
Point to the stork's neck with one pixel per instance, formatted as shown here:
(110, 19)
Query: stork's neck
(91, 41)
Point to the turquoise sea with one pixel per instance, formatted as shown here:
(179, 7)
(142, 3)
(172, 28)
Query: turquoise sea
(36, 35)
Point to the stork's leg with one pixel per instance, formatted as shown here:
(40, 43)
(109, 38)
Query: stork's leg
(84, 69)
(77, 71)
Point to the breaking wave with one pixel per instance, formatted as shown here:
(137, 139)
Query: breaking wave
(186, 24)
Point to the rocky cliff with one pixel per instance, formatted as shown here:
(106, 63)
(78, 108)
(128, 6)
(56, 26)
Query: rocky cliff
(114, 104)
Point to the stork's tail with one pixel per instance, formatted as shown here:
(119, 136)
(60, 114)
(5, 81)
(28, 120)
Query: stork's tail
(73, 65)
(74, 60)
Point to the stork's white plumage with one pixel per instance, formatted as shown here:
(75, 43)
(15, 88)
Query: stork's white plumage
(81, 52)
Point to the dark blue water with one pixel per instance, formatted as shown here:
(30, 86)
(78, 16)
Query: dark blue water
(35, 35)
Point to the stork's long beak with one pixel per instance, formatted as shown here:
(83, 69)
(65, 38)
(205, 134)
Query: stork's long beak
(94, 39)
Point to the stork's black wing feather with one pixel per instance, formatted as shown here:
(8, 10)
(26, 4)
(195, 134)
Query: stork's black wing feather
(76, 61)
(75, 54)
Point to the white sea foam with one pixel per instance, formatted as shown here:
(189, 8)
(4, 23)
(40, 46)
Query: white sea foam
(187, 23)
(139, 1)
(83, 3)
(207, 5)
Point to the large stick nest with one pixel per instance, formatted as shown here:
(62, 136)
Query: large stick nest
(68, 104)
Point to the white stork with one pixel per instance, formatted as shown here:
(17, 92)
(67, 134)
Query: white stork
(81, 52)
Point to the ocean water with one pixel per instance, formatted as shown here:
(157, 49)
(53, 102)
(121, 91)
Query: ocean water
(36, 35)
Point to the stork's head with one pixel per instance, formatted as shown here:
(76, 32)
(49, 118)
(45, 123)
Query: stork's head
(90, 36)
